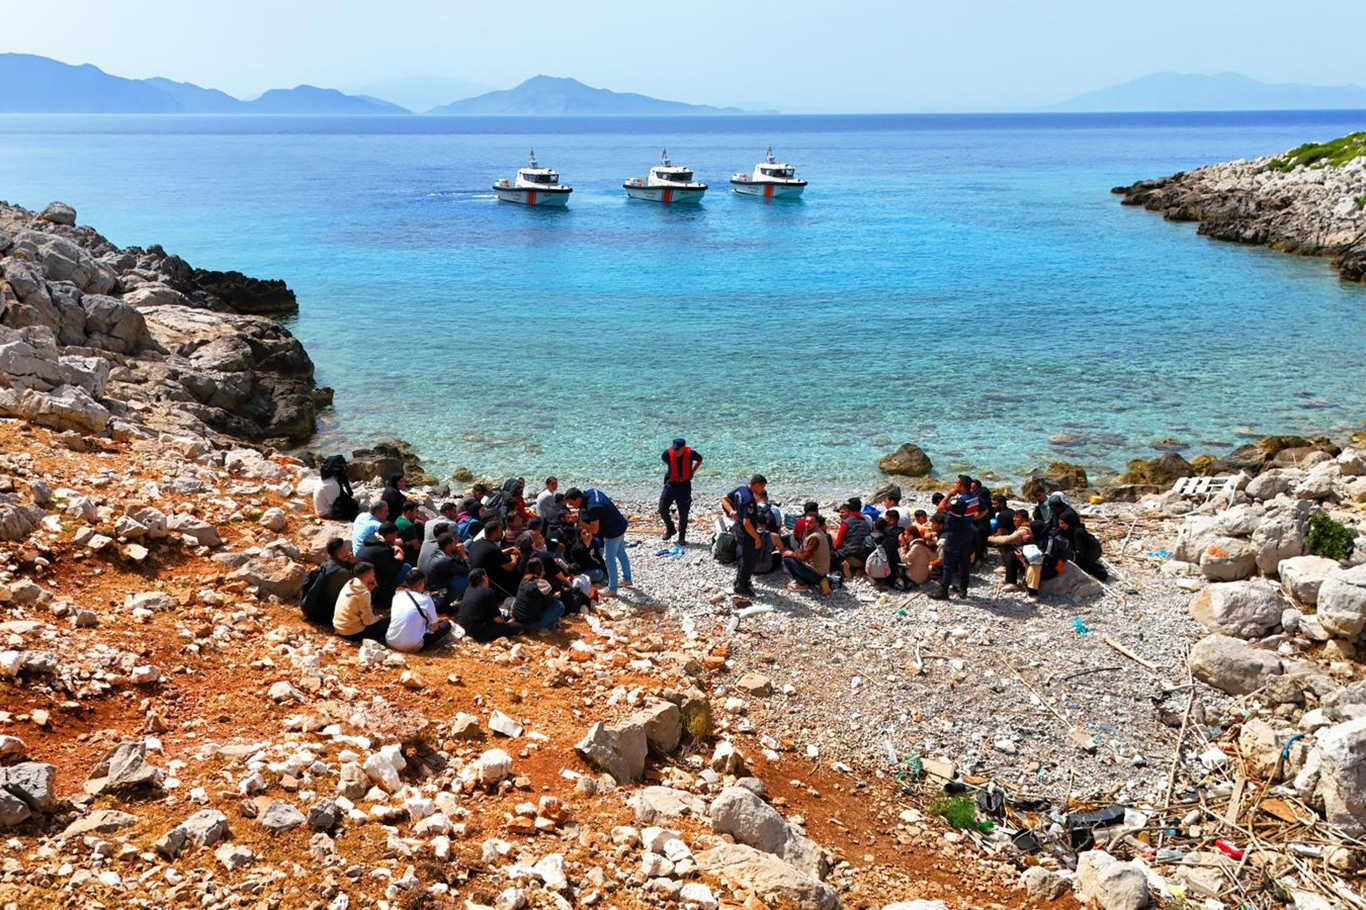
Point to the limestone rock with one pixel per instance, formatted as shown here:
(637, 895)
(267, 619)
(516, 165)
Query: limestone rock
(1244, 609)
(1111, 884)
(59, 213)
(1280, 537)
(101, 821)
(1044, 884)
(1231, 665)
(203, 533)
(66, 407)
(909, 461)
(1302, 576)
(656, 805)
(273, 575)
(34, 783)
(125, 768)
(1342, 775)
(1342, 602)
(1074, 583)
(663, 725)
(744, 816)
(1228, 559)
(620, 751)
(771, 878)
(280, 816)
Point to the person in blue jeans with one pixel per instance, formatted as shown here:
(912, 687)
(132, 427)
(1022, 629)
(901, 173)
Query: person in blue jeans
(536, 606)
(741, 506)
(600, 516)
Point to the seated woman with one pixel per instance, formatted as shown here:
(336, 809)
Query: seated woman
(916, 555)
(535, 606)
(413, 623)
(479, 615)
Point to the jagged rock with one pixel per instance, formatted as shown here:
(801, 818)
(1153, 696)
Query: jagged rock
(1302, 576)
(1111, 884)
(771, 878)
(274, 520)
(33, 782)
(196, 528)
(1342, 775)
(112, 325)
(13, 810)
(620, 751)
(1073, 584)
(234, 856)
(663, 725)
(1044, 884)
(654, 805)
(1280, 536)
(747, 818)
(280, 816)
(1059, 475)
(1342, 602)
(17, 521)
(58, 213)
(1319, 483)
(101, 821)
(1244, 609)
(909, 461)
(66, 407)
(1231, 665)
(125, 768)
(323, 815)
(155, 601)
(12, 748)
(1195, 534)
(272, 575)
(1228, 559)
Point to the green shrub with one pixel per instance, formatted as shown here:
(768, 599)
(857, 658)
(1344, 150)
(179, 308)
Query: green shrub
(1329, 538)
(1333, 153)
(959, 812)
(1361, 201)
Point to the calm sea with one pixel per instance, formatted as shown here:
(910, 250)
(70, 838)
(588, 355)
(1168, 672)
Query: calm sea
(967, 283)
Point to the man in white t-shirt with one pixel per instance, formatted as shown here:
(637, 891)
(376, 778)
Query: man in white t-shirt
(413, 623)
(324, 495)
(545, 500)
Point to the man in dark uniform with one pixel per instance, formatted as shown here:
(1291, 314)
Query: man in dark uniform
(959, 532)
(741, 505)
(680, 464)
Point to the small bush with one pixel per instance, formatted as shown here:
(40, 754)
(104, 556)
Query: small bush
(1361, 201)
(959, 812)
(1329, 538)
(696, 721)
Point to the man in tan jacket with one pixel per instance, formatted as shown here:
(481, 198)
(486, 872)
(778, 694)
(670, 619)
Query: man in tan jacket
(354, 619)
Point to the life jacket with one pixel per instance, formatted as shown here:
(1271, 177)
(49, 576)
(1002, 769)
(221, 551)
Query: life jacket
(680, 464)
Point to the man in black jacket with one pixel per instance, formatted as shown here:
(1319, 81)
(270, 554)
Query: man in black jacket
(959, 533)
(501, 563)
(447, 572)
(385, 553)
(332, 577)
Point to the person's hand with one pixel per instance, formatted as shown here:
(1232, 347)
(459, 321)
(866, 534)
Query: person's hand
(758, 541)
(787, 553)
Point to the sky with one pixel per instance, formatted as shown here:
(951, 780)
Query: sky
(796, 56)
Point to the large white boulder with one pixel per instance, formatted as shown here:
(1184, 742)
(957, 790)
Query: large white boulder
(1319, 483)
(1270, 484)
(1232, 666)
(768, 876)
(1352, 462)
(1281, 535)
(1244, 609)
(1228, 559)
(1342, 775)
(1342, 602)
(1110, 884)
(747, 818)
(1301, 577)
(1196, 533)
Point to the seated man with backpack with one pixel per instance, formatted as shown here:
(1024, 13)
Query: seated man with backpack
(883, 562)
(479, 613)
(354, 617)
(318, 599)
(413, 624)
(332, 497)
(850, 549)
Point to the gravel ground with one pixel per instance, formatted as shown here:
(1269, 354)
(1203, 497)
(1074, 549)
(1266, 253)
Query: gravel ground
(1006, 682)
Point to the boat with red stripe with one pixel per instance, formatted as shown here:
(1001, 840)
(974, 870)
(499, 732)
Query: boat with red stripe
(533, 185)
(771, 179)
(667, 183)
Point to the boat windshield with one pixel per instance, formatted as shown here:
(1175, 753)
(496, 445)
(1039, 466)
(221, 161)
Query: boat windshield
(542, 178)
(783, 172)
(678, 176)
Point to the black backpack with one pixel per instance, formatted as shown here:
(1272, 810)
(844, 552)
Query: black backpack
(313, 596)
(345, 508)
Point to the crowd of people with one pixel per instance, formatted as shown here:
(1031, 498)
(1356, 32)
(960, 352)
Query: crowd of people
(493, 563)
(901, 548)
(498, 566)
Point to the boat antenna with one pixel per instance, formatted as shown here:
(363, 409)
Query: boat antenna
(769, 155)
(531, 158)
(664, 158)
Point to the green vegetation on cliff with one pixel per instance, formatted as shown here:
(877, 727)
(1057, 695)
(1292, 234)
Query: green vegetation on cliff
(1333, 153)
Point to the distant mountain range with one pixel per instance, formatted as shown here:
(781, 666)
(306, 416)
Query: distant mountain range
(419, 93)
(40, 85)
(1219, 92)
(550, 96)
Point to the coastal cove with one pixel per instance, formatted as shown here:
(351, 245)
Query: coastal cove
(961, 282)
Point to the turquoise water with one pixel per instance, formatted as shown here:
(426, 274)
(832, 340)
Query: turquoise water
(964, 282)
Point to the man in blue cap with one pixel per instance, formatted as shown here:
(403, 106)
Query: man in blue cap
(681, 464)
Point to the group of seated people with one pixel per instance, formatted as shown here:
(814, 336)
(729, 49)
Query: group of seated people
(393, 580)
(918, 547)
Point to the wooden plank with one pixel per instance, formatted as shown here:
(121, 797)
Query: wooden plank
(1235, 801)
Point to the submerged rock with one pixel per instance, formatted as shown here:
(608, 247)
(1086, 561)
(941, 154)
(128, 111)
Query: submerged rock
(909, 460)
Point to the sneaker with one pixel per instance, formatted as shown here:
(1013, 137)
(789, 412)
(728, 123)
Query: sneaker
(794, 586)
(668, 532)
(1010, 587)
(746, 591)
(938, 595)
(626, 584)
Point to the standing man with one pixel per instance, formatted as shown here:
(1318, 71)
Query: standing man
(959, 531)
(741, 505)
(602, 518)
(680, 465)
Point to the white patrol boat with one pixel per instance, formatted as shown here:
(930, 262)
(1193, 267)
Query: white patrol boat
(533, 185)
(668, 183)
(771, 179)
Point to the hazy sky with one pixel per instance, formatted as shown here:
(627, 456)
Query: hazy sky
(856, 55)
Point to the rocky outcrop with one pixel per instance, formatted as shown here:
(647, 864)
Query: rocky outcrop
(130, 342)
(909, 461)
(1311, 210)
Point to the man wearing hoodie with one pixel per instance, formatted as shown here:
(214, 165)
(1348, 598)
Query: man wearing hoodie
(680, 464)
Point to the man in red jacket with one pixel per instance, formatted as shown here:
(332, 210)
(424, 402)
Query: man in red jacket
(680, 463)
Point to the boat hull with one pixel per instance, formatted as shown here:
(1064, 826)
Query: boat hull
(540, 198)
(768, 190)
(665, 195)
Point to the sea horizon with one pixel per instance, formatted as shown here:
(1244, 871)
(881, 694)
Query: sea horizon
(963, 281)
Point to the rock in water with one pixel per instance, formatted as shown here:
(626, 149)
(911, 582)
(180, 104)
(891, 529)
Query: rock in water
(909, 461)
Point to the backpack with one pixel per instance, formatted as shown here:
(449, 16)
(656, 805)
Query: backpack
(345, 507)
(722, 543)
(333, 466)
(877, 565)
(311, 597)
(470, 527)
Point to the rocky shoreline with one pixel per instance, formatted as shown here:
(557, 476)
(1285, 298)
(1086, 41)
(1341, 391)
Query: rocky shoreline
(95, 339)
(1312, 208)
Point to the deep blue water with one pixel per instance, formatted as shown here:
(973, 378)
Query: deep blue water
(964, 282)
